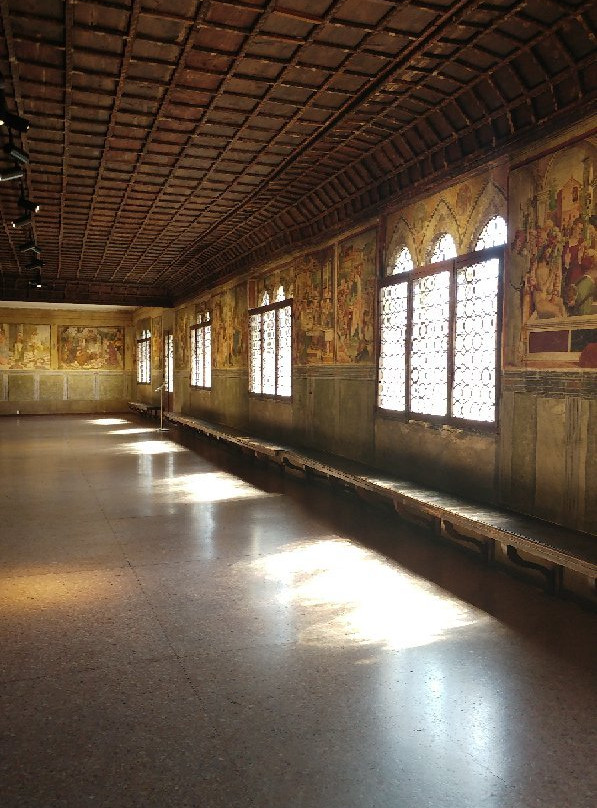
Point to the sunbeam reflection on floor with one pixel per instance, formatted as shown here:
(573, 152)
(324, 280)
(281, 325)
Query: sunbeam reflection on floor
(107, 421)
(354, 596)
(214, 486)
(136, 430)
(152, 447)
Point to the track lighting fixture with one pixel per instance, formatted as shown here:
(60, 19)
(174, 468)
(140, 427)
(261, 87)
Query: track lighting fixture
(36, 280)
(17, 154)
(30, 246)
(26, 204)
(15, 173)
(21, 221)
(13, 121)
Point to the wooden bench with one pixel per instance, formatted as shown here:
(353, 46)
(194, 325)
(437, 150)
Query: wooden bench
(144, 409)
(496, 534)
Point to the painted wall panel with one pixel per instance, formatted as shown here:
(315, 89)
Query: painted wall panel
(51, 387)
(21, 387)
(550, 458)
(81, 386)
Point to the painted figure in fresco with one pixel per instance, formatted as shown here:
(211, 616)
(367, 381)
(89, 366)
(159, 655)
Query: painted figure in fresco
(18, 351)
(556, 235)
(583, 298)
(545, 275)
(573, 253)
(4, 350)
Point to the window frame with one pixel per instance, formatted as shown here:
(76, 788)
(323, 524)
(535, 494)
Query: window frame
(452, 265)
(168, 362)
(194, 330)
(144, 357)
(260, 311)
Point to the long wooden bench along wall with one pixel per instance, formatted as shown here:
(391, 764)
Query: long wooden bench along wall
(564, 561)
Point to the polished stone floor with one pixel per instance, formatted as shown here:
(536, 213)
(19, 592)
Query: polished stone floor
(181, 626)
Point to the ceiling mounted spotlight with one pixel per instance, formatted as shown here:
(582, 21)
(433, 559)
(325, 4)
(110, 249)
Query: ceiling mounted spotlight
(13, 121)
(30, 246)
(17, 154)
(21, 221)
(11, 174)
(26, 204)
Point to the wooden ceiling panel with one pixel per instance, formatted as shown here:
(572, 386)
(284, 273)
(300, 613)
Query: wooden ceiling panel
(174, 142)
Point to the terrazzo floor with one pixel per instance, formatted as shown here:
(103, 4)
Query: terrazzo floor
(181, 626)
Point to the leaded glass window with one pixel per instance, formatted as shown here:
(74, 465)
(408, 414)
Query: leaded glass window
(439, 339)
(392, 355)
(169, 362)
(429, 344)
(494, 234)
(475, 345)
(270, 348)
(144, 357)
(403, 262)
(442, 249)
(201, 351)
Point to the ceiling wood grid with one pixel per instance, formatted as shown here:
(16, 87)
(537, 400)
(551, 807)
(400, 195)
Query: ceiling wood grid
(175, 143)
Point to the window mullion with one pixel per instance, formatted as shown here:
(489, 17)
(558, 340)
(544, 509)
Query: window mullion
(408, 346)
(451, 337)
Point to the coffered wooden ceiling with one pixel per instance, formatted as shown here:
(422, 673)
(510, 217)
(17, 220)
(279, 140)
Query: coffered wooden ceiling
(174, 142)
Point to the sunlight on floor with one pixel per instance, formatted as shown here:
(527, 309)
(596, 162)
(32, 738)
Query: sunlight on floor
(216, 486)
(152, 447)
(107, 421)
(354, 596)
(136, 430)
(39, 593)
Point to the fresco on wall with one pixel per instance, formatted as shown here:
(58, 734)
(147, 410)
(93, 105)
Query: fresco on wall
(553, 227)
(355, 295)
(314, 308)
(91, 347)
(24, 346)
(183, 321)
(229, 319)
(156, 343)
(461, 210)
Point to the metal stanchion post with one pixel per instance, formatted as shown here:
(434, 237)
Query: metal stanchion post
(161, 389)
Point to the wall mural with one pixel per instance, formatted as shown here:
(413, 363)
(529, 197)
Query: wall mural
(553, 221)
(314, 308)
(229, 320)
(91, 347)
(24, 346)
(355, 292)
(156, 343)
(461, 210)
(182, 323)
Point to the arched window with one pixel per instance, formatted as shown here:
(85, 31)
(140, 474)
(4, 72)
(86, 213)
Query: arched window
(442, 249)
(201, 351)
(439, 336)
(403, 262)
(270, 346)
(494, 234)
